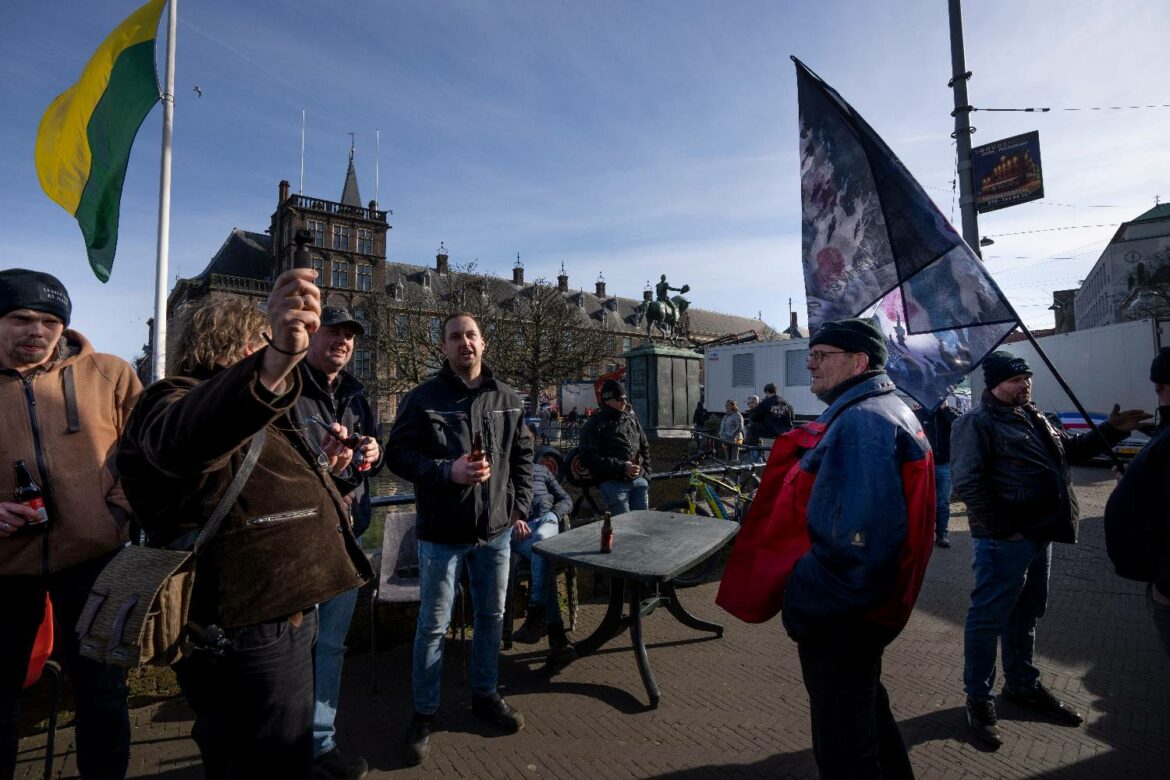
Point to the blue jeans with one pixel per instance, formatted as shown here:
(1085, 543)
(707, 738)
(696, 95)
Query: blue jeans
(623, 495)
(942, 487)
(439, 567)
(544, 581)
(333, 619)
(1010, 595)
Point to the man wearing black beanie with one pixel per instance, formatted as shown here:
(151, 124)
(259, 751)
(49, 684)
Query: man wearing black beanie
(863, 476)
(1137, 516)
(62, 408)
(1011, 467)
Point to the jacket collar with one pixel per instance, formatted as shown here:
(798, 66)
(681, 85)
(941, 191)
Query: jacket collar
(317, 383)
(877, 384)
(448, 375)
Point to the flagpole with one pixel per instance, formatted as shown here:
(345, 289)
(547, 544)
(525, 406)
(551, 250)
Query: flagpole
(962, 136)
(377, 162)
(159, 347)
(301, 185)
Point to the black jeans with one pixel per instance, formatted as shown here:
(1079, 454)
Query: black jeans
(103, 719)
(254, 705)
(854, 733)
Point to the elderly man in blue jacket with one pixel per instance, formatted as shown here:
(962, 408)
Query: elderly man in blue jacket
(840, 532)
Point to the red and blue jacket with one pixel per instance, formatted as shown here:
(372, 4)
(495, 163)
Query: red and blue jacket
(841, 527)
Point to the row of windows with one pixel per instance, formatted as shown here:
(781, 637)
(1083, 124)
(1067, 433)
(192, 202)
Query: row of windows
(340, 272)
(341, 237)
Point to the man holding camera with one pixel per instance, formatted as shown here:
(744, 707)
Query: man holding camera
(330, 394)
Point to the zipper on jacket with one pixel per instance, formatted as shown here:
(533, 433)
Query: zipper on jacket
(31, 397)
(279, 517)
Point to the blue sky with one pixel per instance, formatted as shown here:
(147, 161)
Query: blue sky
(623, 138)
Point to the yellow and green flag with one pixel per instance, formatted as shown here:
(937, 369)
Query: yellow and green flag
(83, 145)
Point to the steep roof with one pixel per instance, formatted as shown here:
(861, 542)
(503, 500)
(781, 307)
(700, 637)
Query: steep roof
(1161, 211)
(349, 193)
(243, 253)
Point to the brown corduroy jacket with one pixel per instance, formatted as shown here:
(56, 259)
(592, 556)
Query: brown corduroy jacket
(286, 544)
(63, 421)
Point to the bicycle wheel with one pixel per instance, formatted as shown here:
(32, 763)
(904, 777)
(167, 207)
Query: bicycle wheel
(706, 570)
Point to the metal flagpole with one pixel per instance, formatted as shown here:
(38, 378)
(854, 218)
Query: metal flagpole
(159, 347)
(301, 185)
(377, 162)
(962, 136)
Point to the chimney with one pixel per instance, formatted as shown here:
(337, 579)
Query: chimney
(518, 272)
(600, 286)
(283, 196)
(792, 321)
(441, 259)
(563, 279)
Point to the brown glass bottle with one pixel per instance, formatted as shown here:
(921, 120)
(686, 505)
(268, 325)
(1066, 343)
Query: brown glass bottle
(477, 453)
(28, 492)
(606, 534)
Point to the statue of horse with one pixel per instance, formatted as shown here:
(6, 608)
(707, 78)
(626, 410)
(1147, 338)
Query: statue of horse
(664, 315)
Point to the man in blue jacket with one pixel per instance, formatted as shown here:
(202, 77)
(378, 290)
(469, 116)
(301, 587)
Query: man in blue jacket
(867, 475)
(467, 501)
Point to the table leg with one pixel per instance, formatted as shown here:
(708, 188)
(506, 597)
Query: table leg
(675, 607)
(611, 624)
(640, 646)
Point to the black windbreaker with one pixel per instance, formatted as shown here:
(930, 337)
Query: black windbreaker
(435, 426)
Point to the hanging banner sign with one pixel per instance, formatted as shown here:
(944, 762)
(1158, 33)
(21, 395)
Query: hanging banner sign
(1007, 173)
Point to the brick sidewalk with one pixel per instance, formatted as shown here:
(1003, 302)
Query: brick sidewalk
(735, 707)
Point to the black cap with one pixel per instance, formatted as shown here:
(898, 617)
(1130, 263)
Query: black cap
(1000, 366)
(21, 289)
(1160, 368)
(611, 390)
(855, 335)
(339, 315)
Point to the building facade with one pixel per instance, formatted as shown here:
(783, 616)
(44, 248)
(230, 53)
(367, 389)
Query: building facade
(1131, 279)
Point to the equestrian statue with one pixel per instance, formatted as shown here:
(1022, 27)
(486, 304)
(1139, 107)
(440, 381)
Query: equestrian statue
(665, 311)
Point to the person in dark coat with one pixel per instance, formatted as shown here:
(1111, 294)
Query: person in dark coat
(615, 450)
(1011, 468)
(469, 503)
(937, 425)
(334, 395)
(286, 544)
(1141, 502)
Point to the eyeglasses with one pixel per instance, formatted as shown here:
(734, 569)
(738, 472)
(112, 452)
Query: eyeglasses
(818, 355)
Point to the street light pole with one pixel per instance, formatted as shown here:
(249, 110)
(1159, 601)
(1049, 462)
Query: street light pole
(963, 128)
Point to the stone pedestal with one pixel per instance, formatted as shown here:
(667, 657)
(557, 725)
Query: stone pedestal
(663, 383)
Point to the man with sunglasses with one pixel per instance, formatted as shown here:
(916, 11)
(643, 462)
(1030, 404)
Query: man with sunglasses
(863, 475)
(615, 450)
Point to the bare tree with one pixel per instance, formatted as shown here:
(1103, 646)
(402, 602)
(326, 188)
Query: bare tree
(543, 338)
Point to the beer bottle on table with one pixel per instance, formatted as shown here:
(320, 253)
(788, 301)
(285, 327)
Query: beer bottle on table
(28, 492)
(606, 534)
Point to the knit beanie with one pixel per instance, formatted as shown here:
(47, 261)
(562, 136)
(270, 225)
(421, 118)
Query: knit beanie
(855, 335)
(1160, 368)
(1000, 366)
(21, 289)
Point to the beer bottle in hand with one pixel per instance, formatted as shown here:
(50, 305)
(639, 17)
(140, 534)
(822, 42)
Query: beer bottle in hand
(606, 534)
(477, 453)
(28, 492)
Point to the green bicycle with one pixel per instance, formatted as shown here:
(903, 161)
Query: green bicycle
(724, 491)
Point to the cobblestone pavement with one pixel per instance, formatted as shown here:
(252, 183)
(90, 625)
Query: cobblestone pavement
(735, 707)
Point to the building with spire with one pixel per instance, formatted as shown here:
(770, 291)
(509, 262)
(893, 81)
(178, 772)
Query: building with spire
(349, 251)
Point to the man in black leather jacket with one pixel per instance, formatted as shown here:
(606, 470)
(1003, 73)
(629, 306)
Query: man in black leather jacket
(1011, 467)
